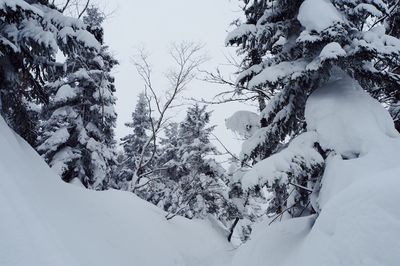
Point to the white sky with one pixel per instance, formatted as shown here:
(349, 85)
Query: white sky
(154, 25)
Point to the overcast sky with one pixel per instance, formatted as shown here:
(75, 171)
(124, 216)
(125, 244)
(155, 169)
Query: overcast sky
(154, 25)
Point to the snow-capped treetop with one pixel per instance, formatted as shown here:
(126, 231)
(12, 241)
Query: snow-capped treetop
(299, 43)
(318, 15)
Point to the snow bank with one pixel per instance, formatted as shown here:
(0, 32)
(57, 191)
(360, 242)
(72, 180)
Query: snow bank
(46, 222)
(359, 223)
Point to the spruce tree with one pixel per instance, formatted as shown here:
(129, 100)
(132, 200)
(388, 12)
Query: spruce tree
(199, 186)
(32, 32)
(134, 143)
(77, 137)
(302, 44)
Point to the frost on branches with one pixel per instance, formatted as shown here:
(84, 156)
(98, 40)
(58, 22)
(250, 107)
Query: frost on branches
(77, 137)
(303, 44)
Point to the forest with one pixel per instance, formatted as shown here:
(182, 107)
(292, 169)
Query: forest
(308, 92)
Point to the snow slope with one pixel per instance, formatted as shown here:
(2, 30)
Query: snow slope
(359, 223)
(46, 222)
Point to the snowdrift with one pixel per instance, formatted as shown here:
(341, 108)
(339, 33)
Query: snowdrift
(44, 222)
(359, 223)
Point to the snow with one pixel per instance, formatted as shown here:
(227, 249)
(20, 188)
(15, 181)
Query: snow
(47, 222)
(278, 165)
(274, 73)
(332, 50)
(241, 31)
(318, 15)
(328, 111)
(376, 40)
(59, 137)
(19, 4)
(359, 219)
(244, 123)
(65, 93)
(368, 8)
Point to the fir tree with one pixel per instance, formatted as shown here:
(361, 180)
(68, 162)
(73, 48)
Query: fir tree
(300, 52)
(199, 188)
(77, 138)
(134, 143)
(32, 33)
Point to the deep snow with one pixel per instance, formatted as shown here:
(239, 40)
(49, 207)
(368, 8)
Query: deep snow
(359, 222)
(45, 222)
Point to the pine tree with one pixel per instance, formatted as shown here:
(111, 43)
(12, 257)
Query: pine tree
(134, 143)
(32, 32)
(301, 50)
(77, 139)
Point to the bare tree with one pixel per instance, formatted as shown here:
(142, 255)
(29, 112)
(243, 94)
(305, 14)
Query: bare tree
(73, 8)
(236, 91)
(187, 57)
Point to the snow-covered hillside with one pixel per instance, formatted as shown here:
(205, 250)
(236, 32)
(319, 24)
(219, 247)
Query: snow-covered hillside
(45, 222)
(359, 222)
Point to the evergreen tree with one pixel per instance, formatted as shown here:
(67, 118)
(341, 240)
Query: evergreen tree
(134, 142)
(199, 188)
(301, 50)
(78, 137)
(31, 34)
(248, 46)
(392, 25)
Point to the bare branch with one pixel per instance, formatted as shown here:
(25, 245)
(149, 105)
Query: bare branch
(84, 9)
(187, 58)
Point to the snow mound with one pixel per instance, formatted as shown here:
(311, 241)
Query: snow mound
(244, 123)
(359, 222)
(318, 15)
(45, 222)
(347, 119)
(332, 50)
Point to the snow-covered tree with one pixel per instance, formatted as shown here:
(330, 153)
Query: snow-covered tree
(198, 185)
(77, 137)
(32, 32)
(392, 25)
(134, 144)
(187, 57)
(251, 204)
(302, 44)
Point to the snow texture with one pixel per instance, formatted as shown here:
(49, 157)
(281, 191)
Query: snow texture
(318, 15)
(278, 165)
(274, 73)
(241, 31)
(359, 222)
(45, 222)
(244, 123)
(65, 93)
(332, 50)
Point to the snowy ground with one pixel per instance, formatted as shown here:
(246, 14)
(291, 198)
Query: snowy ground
(46, 222)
